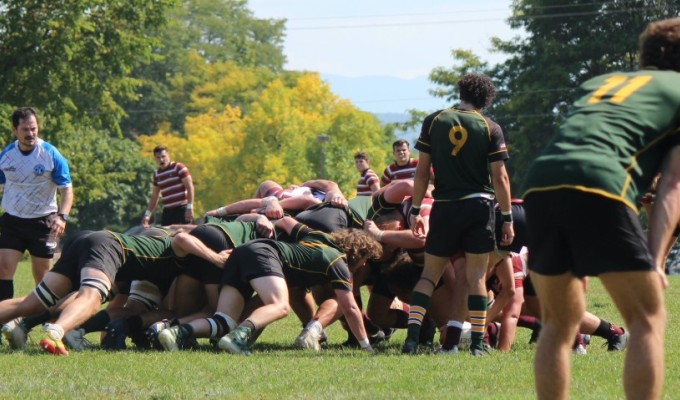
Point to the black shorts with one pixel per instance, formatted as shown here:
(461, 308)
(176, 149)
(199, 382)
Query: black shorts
(324, 217)
(23, 234)
(519, 226)
(174, 215)
(90, 249)
(466, 225)
(583, 233)
(198, 268)
(251, 261)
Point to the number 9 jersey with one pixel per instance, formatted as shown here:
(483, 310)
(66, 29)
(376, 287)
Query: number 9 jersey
(461, 144)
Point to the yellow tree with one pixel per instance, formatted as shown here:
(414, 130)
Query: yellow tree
(299, 132)
(212, 141)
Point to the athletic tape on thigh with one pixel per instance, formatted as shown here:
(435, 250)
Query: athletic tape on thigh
(101, 286)
(145, 293)
(226, 322)
(46, 295)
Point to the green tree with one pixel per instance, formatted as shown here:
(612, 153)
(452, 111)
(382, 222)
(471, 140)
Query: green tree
(201, 38)
(111, 181)
(72, 58)
(561, 45)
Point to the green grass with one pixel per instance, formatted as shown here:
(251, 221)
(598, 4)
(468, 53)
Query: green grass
(277, 371)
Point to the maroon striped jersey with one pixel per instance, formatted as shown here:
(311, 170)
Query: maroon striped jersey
(169, 180)
(395, 172)
(368, 178)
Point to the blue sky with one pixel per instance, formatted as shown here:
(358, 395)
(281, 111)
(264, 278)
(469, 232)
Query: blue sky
(397, 39)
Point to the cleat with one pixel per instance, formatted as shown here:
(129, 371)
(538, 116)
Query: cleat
(442, 351)
(236, 341)
(309, 340)
(376, 337)
(116, 333)
(410, 347)
(52, 346)
(75, 340)
(174, 338)
(580, 350)
(16, 333)
(323, 338)
(154, 330)
(478, 352)
(618, 342)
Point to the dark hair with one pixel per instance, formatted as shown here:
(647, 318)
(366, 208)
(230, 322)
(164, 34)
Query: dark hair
(477, 89)
(159, 149)
(400, 142)
(23, 113)
(362, 155)
(660, 45)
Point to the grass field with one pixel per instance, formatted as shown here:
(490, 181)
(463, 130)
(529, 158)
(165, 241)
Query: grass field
(277, 371)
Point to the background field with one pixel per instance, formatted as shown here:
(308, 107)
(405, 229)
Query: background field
(277, 371)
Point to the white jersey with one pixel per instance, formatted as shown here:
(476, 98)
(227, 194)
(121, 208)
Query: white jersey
(31, 180)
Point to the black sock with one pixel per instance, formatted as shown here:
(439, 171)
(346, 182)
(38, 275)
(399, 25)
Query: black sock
(604, 330)
(97, 323)
(6, 289)
(30, 322)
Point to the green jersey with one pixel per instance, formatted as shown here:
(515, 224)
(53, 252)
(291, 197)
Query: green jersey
(314, 259)
(358, 209)
(461, 144)
(237, 232)
(145, 257)
(615, 137)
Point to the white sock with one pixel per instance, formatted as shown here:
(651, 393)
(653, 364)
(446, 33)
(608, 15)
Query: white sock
(314, 326)
(54, 331)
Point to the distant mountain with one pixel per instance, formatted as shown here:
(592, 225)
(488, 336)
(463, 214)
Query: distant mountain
(390, 118)
(385, 94)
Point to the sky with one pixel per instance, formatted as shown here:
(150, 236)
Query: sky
(398, 39)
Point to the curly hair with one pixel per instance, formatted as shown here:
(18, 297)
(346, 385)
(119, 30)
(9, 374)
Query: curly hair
(357, 244)
(660, 45)
(477, 89)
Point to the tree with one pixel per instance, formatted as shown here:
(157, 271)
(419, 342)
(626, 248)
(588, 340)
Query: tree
(202, 37)
(71, 58)
(229, 153)
(110, 181)
(212, 142)
(561, 46)
(283, 128)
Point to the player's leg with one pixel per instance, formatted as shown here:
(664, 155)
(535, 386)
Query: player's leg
(640, 299)
(562, 307)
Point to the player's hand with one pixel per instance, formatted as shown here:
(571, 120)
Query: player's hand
(339, 200)
(418, 226)
(273, 210)
(371, 228)
(145, 222)
(189, 215)
(264, 227)
(508, 234)
(222, 257)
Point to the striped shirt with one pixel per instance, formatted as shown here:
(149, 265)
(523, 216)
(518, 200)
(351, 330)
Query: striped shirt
(396, 172)
(31, 180)
(169, 180)
(368, 178)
